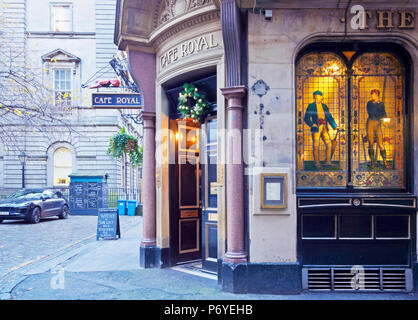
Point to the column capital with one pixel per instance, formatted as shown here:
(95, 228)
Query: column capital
(148, 115)
(237, 92)
(235, 97)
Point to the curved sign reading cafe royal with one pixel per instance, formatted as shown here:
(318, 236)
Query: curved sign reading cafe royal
(189, 48)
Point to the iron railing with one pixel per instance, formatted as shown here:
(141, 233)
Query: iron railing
(114, 194)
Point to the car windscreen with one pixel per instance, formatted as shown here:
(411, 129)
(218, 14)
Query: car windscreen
(27, 194)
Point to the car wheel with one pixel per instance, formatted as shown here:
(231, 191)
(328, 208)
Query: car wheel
(64, 213)
(35, 216)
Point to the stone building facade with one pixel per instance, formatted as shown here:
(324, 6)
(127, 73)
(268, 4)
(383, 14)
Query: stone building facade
(69, 44)
(295, 181)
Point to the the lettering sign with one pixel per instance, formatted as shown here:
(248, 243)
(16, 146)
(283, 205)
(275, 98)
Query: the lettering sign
(188, 48)
(116, 100)
(385, 19)
(108, 226)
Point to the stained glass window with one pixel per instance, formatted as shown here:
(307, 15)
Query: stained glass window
(321, 121)
(369, 119)
(377, 122)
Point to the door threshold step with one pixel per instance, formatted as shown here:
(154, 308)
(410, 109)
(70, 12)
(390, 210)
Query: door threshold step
(195, 268)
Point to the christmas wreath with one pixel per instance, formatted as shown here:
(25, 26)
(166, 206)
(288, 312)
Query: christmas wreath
(192, 104)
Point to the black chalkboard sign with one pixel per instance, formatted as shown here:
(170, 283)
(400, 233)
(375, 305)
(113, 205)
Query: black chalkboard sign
(108, 227)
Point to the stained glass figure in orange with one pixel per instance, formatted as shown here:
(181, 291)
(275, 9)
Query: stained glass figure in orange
(376, 118)
(318, 117)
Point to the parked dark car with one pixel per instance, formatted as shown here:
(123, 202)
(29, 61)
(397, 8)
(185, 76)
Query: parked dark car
(33, 204)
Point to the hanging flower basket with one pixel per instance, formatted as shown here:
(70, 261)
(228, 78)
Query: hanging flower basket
(123, 143)
(132, 144)
(192, 104)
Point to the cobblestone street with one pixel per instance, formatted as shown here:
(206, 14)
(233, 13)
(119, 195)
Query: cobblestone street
(22, 244)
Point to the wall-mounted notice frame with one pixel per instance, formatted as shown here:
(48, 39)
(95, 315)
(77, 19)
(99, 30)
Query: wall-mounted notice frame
(273, 190)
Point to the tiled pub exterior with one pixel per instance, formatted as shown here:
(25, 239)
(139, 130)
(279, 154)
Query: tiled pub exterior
(255, 59)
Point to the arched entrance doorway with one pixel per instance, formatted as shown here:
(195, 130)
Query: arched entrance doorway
(193, 178)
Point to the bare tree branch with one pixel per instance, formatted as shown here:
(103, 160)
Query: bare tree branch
(27, 104)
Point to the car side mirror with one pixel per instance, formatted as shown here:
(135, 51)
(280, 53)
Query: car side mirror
(45, 197)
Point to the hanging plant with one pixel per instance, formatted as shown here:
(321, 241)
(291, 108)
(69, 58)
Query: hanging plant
(122, 143)
(192, 104)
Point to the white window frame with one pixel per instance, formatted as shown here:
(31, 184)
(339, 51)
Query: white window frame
(55, 167)
(52, 16)
(50, 159)
(70, 69)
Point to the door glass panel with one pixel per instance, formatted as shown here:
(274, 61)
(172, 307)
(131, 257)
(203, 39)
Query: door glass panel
(211, 159)
(377, 122)
(188, 185)
(321, 121)
(212, 187)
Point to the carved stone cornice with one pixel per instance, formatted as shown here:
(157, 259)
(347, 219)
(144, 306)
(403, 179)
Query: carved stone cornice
(196, 20)
(149, 34)
(169, 9)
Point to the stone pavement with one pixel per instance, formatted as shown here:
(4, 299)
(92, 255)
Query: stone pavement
(103, 270)
(22, 243)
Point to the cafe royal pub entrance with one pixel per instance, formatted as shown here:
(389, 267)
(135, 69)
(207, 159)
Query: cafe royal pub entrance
(193, 176)
(356, 209)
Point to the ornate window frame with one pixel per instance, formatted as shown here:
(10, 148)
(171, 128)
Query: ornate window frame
(403, 58)
(60, 59)
(50, 159)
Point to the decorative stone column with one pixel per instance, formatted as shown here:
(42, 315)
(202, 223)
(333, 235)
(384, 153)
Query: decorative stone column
(233, 277)
(148, 242)
(142, 66)
(235, 176)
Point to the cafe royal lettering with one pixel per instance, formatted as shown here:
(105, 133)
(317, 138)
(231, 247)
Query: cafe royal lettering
(385, 18)
(188, 48)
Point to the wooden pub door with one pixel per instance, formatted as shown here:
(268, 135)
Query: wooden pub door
(193, 195)
(193, 184)
(185, 203)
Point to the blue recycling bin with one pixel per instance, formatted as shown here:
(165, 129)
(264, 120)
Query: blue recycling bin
(131, 207)
(122, 207)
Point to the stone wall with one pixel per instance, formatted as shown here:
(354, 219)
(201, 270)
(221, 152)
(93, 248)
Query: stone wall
(28, 25)
(273, 47)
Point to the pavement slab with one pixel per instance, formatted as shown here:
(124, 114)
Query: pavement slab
(82, 268)
(156, 284)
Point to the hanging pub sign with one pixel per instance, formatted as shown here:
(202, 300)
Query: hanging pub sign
(116, 100)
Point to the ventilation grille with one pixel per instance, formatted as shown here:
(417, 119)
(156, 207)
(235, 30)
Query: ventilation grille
(355, 279)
